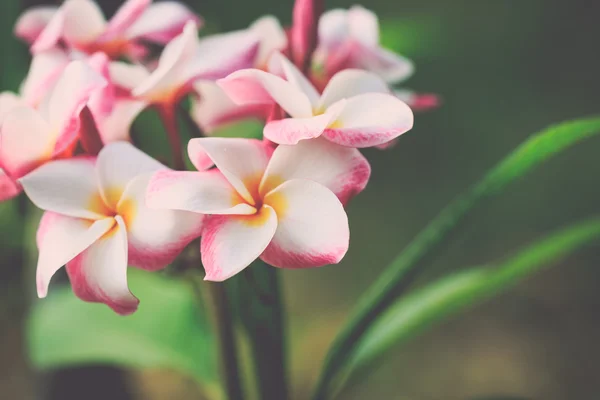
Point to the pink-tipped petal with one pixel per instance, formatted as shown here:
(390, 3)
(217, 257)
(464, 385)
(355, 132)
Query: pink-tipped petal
(118, 164)
(50, 36)
(241, 161)
(33, 21)
(155, 237)
(293, 130)
(99, 274)
(248, 235)
(343, 170)
(392, 67)
(67, 187)
(162, 21)
(312, 228)
(349, 83)
(124, 18)
(272, 38)
(45, 69)
(8, 187)
(214, 108)
(60, 239)
(207, 192)
(25, 141)
(369, 120)
(296, 78)
(253, 86)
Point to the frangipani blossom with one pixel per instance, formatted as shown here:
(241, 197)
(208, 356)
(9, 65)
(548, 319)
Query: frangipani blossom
(350, 39)
(96, 223)
(8, 187)
(29, 137)
(284, 208)
(356, 108)
(45, 69)
(80, 25)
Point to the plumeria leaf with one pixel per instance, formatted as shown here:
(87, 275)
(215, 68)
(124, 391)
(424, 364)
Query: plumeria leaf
(168, 331)
(404, 268)
(452, 294)
(249, 129)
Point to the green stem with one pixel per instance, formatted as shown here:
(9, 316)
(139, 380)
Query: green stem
(261, 311)
(403, 270)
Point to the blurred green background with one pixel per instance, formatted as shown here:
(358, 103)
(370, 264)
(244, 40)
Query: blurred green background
(504, 70)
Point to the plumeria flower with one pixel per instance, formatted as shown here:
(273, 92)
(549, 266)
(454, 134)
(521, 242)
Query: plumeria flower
(80, 25)
(350, 39)
(96, 223)
(283, 208)
(29, 137)
(9, 188)
(356, 108)
(45, 69)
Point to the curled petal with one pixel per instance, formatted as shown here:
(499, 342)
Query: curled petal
(343, 170)
(207, 192)
(33, 21)
(312, 228)
(60, 239)
(99, 274)
(293, 130)
(253, 86)
(241, 161)
(370, 120)
(118, 164)
(162, 21)
(67, 187)
(248, 235)
(349, 83)
(155, 237)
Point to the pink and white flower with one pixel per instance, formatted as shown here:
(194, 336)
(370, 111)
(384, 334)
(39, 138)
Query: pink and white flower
(80, 25)
(29, 137)
(356, 109)
(350, 39)
(285, 207)
(96, 222)
(8, 187)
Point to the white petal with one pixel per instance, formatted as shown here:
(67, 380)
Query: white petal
(126, 75)
(363, 25)
(60, 239)
(312, 228)
(67, 187)
(118, 163)
(272, 38)
(334, 27)
(99, 274)
(33, 21)
(84, 21)
(248, 235)
(45, 69)
(162, 21)
(349, 83)
(296, 78)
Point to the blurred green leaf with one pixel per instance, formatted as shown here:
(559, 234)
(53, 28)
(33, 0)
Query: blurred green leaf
(249, 129)
(412, 37)
(404, 268)
(167, 331)
(450, 295)
(14, 62)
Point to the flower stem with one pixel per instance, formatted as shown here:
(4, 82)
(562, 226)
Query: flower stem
(227, 345)
(168, 114)
(261, 310)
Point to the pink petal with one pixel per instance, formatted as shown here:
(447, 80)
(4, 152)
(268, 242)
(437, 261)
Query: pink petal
(312, 226)
(162, 21)
(392, 67)
(214, 108)
(343, 170)
(419, 101)
(303, 35)
(370, 120)
(207, 192)
(26, 141)
(67, 187)
(272, 38)
(8, 187)
(118, 164)
(241, 161)
(253, 86)
(155, 237)
(45, 69)
(60, 239)
(349, 83)
(99, 274)
(293, 130)
(50, 36)
(248, 235)
(126, 16)
(33, 21)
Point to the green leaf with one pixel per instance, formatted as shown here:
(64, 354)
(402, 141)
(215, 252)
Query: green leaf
(404, 268)
(167, 331)
(450, 295)
(249, 129)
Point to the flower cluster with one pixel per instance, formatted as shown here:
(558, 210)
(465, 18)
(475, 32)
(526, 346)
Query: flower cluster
(322, 89)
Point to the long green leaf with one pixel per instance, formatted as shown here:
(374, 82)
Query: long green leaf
(401, 272)
(167, 331)
(450, 295)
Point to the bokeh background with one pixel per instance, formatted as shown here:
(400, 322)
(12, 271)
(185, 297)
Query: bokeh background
(504, 70)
